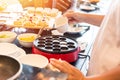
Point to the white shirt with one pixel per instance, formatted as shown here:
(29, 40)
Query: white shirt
(106, 51)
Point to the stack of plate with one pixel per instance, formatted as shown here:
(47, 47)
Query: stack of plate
(11, 50)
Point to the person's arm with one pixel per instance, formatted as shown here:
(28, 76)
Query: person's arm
(94, 19)
(75, 74)
(113, 74)
(74, 17)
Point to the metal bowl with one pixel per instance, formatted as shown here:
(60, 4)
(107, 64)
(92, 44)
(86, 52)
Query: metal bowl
(10, 68)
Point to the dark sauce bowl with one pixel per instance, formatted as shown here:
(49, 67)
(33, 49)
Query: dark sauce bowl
(10, 68)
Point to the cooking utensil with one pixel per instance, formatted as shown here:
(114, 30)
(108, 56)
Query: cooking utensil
(10, 68)
(56, 46)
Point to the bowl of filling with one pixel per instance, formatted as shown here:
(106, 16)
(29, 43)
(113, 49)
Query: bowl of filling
(26, 39)
(7, 36)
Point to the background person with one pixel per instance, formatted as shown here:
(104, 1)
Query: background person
(105, 58)
(75, 17)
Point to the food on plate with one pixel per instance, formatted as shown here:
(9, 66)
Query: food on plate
(42, 23)
(44, 11)
(39, 10)
(18, 22)
(36, 18)
(29, 24)
(28, 21)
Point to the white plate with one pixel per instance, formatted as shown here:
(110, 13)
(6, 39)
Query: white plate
(87, 8)
(20, 53)
(34, 60)
(8, 48)
(11, 50)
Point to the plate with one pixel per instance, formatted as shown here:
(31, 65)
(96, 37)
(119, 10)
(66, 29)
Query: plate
(11, 50)
(34, 60)
(20, 53)
(76, 30)
(87, 8)
(8, 48)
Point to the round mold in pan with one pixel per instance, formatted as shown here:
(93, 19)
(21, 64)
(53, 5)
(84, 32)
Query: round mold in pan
(55, 44)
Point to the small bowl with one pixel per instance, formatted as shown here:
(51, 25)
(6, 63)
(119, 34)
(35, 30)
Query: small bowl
(8, 49)
(10, 68)
(61, 24)
(7, 36)
(26, 39)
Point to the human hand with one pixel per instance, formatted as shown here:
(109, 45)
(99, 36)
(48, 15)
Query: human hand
(73, 17)
(73, 73)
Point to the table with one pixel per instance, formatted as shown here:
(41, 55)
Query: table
(81, 63)
(83, 60)
(89, 37)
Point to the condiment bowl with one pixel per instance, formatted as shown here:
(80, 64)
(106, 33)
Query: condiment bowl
(26, 39)
(7, 36)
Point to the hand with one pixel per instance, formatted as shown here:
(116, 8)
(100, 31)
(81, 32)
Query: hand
(73, 17)
(73, 73)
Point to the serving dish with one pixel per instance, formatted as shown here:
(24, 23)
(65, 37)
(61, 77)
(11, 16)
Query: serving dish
(35, 18)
